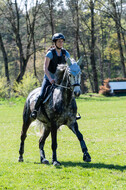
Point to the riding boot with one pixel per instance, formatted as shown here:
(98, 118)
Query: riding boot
(36, 108)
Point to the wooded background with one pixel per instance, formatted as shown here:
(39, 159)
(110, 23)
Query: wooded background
(95, 29)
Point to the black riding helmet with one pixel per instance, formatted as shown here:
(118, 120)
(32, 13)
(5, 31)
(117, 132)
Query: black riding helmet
(57, 36)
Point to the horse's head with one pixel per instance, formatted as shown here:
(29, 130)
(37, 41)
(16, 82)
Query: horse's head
(75, 75)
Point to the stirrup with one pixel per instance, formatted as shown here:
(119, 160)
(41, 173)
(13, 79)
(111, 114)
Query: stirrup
(78, 117)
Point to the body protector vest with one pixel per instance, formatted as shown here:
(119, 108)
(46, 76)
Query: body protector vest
(56, 60)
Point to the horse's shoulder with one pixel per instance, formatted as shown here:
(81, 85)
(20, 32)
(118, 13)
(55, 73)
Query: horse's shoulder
(57, 100)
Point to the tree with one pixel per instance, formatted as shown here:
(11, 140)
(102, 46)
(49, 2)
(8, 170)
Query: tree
(48, 11)
(117, 19)
(92, 28)
(95, 77)
(90, 7)
(23, 40)
(114, 9)
(5, 59)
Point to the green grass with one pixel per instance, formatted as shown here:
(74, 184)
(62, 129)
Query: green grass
(103, 126)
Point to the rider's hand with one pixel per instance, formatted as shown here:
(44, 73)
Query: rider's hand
(52, 81)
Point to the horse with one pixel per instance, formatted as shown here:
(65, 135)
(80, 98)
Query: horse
(59, 108)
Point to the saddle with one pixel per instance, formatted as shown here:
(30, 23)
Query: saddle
(48, 92)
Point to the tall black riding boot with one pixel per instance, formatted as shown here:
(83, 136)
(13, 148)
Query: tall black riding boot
(36, 108)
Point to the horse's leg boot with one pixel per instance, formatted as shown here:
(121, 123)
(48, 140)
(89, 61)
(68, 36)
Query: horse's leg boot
(78, 116)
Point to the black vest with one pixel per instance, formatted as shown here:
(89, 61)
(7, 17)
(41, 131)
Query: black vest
(56, 60)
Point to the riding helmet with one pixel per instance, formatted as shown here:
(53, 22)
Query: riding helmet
(57, 36)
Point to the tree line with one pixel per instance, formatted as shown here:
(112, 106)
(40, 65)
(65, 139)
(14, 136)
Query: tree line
(94, 29)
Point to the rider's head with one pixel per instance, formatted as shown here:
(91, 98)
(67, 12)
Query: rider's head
(58, 39)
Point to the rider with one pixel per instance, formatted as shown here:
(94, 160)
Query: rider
(54, 56)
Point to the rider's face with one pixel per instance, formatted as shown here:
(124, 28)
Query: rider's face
(59, 43)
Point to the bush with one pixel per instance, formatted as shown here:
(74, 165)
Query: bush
(117, 80)
(28, 83)
(105, 89)
(4, 88)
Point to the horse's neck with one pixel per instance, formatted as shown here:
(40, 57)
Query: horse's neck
(66, 95)
(65, 91)
(64, 82)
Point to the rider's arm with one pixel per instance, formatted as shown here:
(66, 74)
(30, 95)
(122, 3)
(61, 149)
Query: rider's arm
(46, 65)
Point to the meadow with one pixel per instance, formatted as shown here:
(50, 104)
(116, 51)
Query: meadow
(103, 125)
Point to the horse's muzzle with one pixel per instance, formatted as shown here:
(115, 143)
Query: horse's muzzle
(77, 94)
(77, 91)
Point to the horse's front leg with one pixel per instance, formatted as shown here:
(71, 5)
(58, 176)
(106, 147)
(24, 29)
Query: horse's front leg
(86, 155)
(54, 145)
(45, 134)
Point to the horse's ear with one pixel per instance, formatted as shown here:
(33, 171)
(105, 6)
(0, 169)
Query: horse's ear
(80, 61)
(68, 61)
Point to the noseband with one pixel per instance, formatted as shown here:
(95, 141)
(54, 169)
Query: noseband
(77, 84)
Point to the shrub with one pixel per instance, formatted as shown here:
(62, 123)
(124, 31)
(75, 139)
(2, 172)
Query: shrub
(28, 83)
(117, 80)
(105, 89)
(4, 88)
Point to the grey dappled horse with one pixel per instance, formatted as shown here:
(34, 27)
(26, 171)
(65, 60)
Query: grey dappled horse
(59, 108)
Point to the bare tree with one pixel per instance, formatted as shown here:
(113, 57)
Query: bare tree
(87, 64)
(117, 19)
(23, 40)
(48, 12)
(74, 8)
(91, 41)
(93, 64)
(5, 58)
(114, 9)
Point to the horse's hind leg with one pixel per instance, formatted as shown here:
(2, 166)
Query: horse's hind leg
(25, 126)
(45, 134)
(86, 155)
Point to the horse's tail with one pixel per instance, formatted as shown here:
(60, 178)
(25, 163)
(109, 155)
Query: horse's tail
(38, 127)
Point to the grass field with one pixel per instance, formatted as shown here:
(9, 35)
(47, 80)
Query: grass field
(103, 126)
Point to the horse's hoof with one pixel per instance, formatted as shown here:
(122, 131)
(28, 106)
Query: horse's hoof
(87, 157)
(44, 161)
(56, 163)
(20, 159)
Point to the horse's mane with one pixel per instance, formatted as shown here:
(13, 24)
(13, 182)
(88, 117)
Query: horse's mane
(59, 72)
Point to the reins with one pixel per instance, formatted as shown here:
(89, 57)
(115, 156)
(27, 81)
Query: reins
(62, 86)
(66, 86)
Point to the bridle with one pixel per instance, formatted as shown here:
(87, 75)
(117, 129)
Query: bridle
(69, 85)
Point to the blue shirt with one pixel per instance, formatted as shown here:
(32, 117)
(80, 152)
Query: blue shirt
(50, 55)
